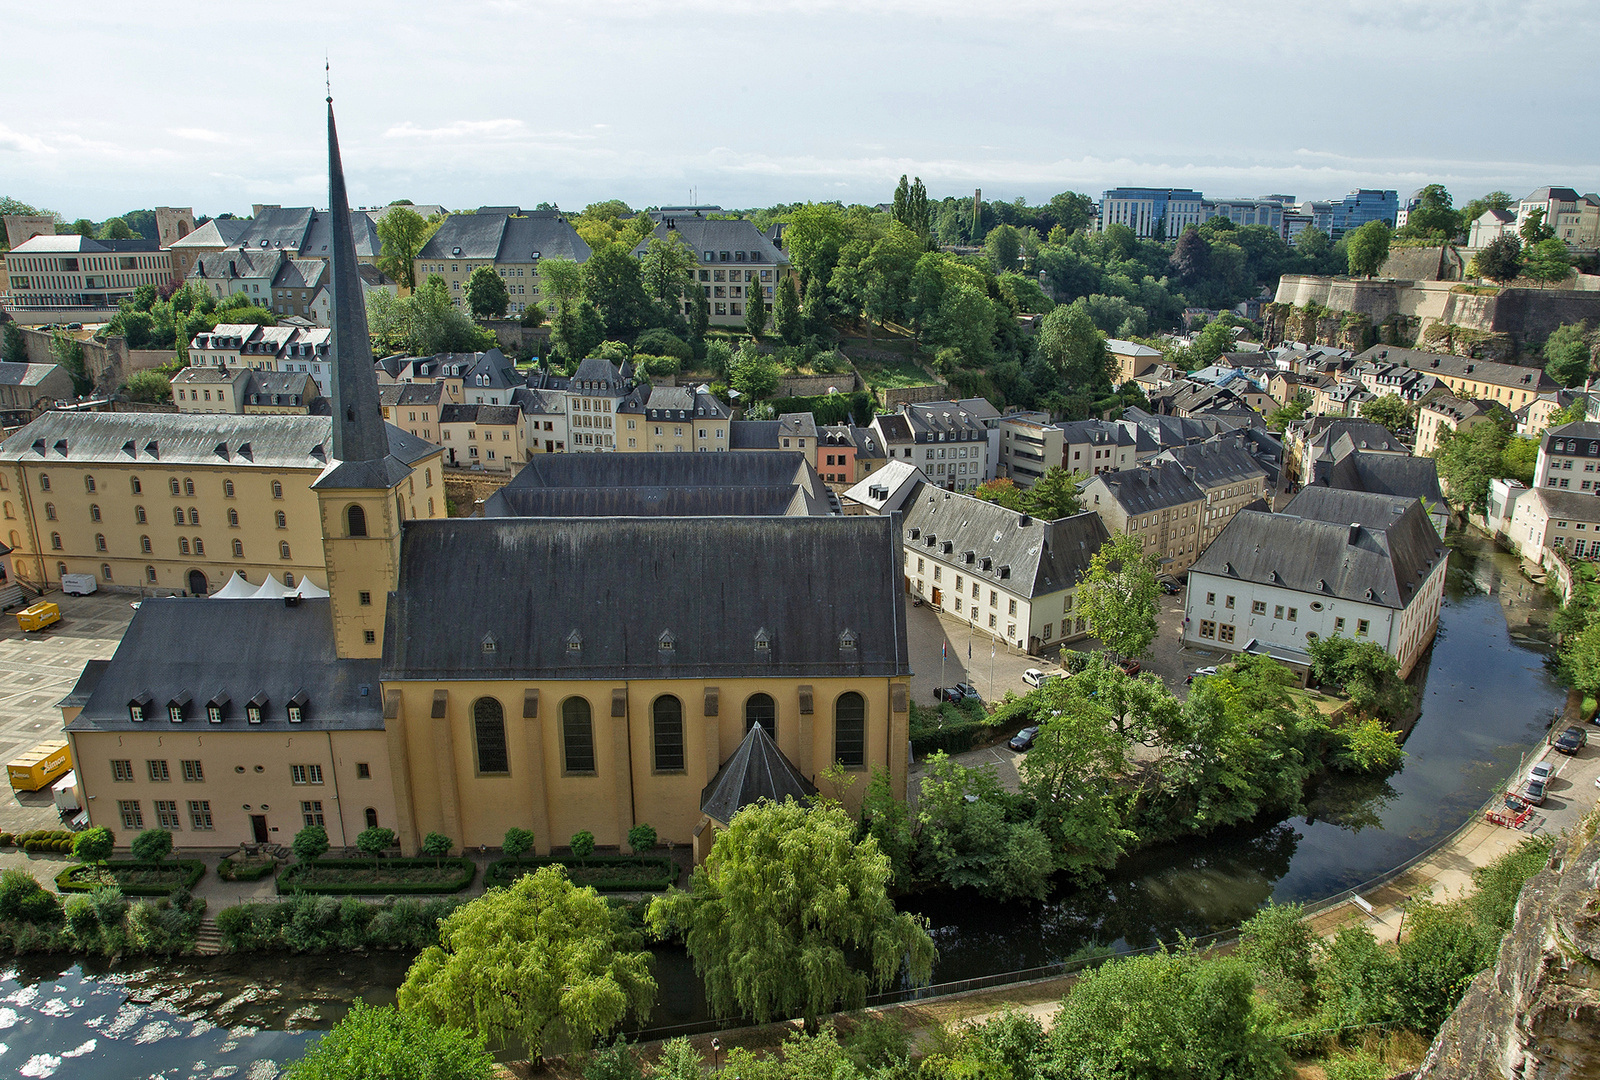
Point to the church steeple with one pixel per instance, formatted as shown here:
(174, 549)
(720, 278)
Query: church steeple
(358, 428)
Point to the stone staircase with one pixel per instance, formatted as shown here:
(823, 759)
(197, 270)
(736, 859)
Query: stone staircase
(208, 939)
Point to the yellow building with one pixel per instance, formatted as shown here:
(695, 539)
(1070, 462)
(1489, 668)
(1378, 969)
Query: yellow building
(672, 419)
(488, 437)
(509, 241)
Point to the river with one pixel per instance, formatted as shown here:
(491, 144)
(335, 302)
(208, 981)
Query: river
(1486, 696)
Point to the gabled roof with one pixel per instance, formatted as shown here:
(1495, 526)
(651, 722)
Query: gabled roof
(1573, 505)
(1017, 552)
(757, 770)
(885, 490)
(492, 235)
(1097, 432)
(241, 648)
(733, 235)
(234, 264)
(1156, 486)
(894, 427)
(1551, 194)
(1379, 550)
(411, 394)
(277, 228)
(1214, 464)
(61, 243)
(594, 599)
(292, 383)
(480, 414)
(662, 485)
(1514, 376)
(25, 374)
(301, 274)
(216, 233)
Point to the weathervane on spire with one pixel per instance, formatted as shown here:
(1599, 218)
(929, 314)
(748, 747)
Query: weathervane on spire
(327, 77)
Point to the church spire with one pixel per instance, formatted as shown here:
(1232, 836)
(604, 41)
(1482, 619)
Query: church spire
(358, 427)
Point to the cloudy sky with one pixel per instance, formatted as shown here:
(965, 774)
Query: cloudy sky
(116, 106)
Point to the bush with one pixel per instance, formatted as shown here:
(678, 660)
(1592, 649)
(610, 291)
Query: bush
(230, 870)
(94, 845)
(642, 838)
(582, 844)
(353, 924)
(342, 877)
(24, 899)
(132, 877)
(517, 842)
(603, 873)
(6, 839)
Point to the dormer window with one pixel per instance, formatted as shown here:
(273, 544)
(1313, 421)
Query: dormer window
(667, 642)
(847, 640)
(297, 707)
(763, 642)
(178, 706)
(574, 642)
(139, 708)
(491, 645)
(256, 709)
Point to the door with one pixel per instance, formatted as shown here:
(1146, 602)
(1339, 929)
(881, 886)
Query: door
(938, 598)
(197, 582)
(258, 825)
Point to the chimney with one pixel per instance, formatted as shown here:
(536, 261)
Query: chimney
(1355, 531)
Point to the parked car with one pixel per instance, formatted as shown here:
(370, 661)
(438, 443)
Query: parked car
(1034, 677)
(1542, 772)
(1131, 667)
(1532, 793)
(1572, 740)
(956, 694)
(1024, 738)
(1199, 673)
(1170, 588)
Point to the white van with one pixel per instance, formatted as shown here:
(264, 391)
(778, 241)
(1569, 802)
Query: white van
(78, 584)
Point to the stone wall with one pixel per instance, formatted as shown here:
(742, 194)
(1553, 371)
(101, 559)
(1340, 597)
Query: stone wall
(107, 364)
(467, 489)
(1535, 1015)
(846, 382)
(912, 395)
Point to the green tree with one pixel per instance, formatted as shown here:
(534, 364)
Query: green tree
(310, 843)
(1003, 491)
(787, 315)
(381, 1041)
(1534, 230)
(582, 844)
(1499, 260)
(814, 310)
(1367, 248)
(438, 845)
(614, 284)
(1390, 411)
(1495, 200)
(699, 314)
(1068, 339)
(667, 269)
(93, 845)
(783, 907)
(1119, 596)
(1277, 940)
(1214, 340)
(1468, 460)
(517, 842)
(375, 841)
(402, 233)
(1003, 246)
(15, 349)
(1065, 773)
(537, 961)
(1294, 409)
(68, 352)
(561, 280)
(910, 207)
(966, 837)
(1549, 262)
(1435, 216)
(641, 838)
(151, 385)
(487, 294)
(116, 229)
(755, 311)
(1054, 495)
(151, 845)
(1568, 358)
(755, 374)
(1164, 1015)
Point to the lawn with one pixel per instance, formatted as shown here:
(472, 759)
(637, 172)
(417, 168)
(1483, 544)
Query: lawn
(882, 374)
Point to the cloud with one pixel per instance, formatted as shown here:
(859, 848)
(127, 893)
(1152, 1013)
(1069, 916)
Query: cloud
(201, 135)
(17, 142)
(503, 130)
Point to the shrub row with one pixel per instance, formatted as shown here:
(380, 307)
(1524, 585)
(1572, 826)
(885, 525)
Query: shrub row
(7, 839)
(948, 727)
(592, 871)
(289, 881)
(83, 877)
(308, 923)
(228, 870)
(102, 921)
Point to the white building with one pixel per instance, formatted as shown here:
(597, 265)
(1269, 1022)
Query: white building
(1358, 565)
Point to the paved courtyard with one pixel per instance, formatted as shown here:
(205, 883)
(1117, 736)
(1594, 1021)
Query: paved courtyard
(39, 669)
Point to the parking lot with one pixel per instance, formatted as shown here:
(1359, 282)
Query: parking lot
(39, 669)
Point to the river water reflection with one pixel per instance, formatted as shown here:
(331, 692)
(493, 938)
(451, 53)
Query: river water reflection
(1486, 696)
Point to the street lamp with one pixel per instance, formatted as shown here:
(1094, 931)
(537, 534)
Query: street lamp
(716, 1053)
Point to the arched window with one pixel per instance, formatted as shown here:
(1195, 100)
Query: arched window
(666, 723)
(55, 541)
(199, 546)
(194, 515)
(49, 511)
(489, 725)
(372, 818)
(427, 476)
(288, 578)
(188, 485)
(283, 549)
(61, 569)
(238, 549)
(138, 515)
(144, 544)
(183, 545)
(577, 736)
(233, 518)
(277, 490)
(761, 709)
(105, 571)
(94, 511)
(850, 730)
(172, 482)
(133, 482)
(99, 541)
(10, 513)
(283, 522)
(356, 518)
(88, 484)
(177, 515)
(227, 488)
(150, 574)
(44, 481)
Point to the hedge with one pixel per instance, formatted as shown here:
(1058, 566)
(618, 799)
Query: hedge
(67, 880)
(228, 870)
(856, 407)
(948, 727)
(308, 924)
(289, 880)
(505, 871)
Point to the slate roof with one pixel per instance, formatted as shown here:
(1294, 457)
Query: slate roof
(662, 485)
(1382, 560)
(539, 402)
(1156, 486)
(233, 263)
(277, 228)
(495, 236)
(1577, 505)
(393, 394)
(88, 679)
(24, 374)
(175, 439)
(1213, 464)
(301, 274)
(1173, 430)
(240, 648)
(757, 770)
(730, 235)
(595, 370)
(752, 434)
(1325, 433)
(896, 481)
(1515, 376)
(1549, 194)
(947, 418)
(480, 414)
(1097, 432)
(216, 233)
(618, 588)
(292, 383)
(1024, 554)
(65, 242)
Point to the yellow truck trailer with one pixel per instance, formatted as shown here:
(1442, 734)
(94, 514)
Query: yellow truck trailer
(39, 616)
(40, 767)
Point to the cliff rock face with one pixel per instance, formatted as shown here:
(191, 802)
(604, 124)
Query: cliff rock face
(1536, 1014)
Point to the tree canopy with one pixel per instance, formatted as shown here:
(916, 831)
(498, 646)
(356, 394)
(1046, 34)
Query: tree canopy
(1568, 356)
(1499, 260)
(487, 294)
(1390, 411)
(539, 960)
(784, 907)
(1119, 597)
(385, 1042)
(402, 233)
(1368, 248)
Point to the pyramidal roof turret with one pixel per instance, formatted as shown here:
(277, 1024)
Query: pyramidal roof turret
(361, 457)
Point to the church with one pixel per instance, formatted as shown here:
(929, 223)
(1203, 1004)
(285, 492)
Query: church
(465, 676)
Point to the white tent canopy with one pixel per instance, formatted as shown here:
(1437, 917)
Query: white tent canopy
(272, 589)
(310, 590)
(237, 588)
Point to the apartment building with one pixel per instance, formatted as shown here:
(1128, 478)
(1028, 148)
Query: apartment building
(1510, 385)
(26, 390)
(1029, 446)
(207, 389)
(414, 407)
(1229, 476)
(682, 419)
(1158, 504)
(1130, 359)
(790, 431)
(948, 440)
(75, 271)
(1322, 440)
(736, 260)
(1442, 413)
(265, 348)
(508, 240)
(487, 437)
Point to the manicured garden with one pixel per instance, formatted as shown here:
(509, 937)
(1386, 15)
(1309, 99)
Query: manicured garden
(603, 873)
(379, 877)
(133, 877)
